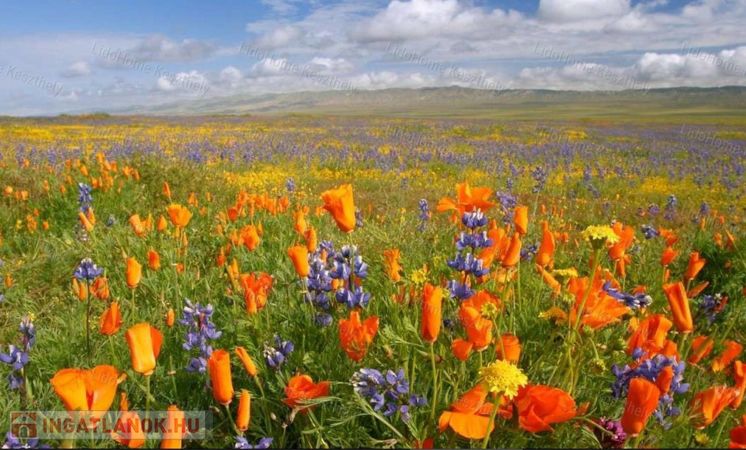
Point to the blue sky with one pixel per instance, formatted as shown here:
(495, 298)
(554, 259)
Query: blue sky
(81, 55)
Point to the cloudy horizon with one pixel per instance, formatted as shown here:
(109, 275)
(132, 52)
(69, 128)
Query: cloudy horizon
(83, 55)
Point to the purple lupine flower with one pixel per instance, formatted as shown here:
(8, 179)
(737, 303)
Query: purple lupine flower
(540, 175)
(424, 214)
(87, 270)
(12, 442)
(474, 219)
(712, 305)
(199, 332)
(242, 443)
(634, 301)
(387, 392)
(615, 436)
(290, 185)
(649, 231)
(275, 355)
(460, 291)
(85, 199)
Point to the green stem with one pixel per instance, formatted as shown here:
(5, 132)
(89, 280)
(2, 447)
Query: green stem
(88, 320)
(490, 424)
(435, 380)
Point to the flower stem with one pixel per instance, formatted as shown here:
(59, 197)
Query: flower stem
(490, 425)
(88, 320)
(435, 380)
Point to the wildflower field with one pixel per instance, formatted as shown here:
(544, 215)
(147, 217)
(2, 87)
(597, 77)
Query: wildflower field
(341, 282)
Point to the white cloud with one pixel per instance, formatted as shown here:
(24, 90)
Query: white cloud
(331, 65)
(77, 69)
(575, 10)
(187, 82)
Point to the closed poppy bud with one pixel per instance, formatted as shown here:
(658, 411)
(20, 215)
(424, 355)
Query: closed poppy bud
(219, 368)
(179, 215)
(545, 253)
(732, 351)
(695, 265)
(87, 224)
(642, 400)
(133, 273)
(175, 428)
(664, 378)
(340, 204)
(111, 320)
(247, 362)
(144, 342)
(80, 288)
(512, 347)
(299, 255)
(170, 317)
(166, 190)
(154, 260)
(300, 224)
(311, 239)
(244, 411)
(520, 219)
(668, 256)
(162, 224)
(432, 314)
(391, 262)
(513, 253)
(137, 225)
(679, 303)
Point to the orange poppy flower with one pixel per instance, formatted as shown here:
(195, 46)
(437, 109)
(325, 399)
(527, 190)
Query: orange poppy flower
(467, 199)
(355, 336)
(642, 400)
(250, 237)
(301, 388)
(695, 265)
(668, 256)
(247, 362)
(540, 406)
(391, 262)
(179, 215)
(600, 309)
(138, 226)
(100, 288)
(478, 329)
(650, 335)
(244, 411)
(739, 376)
(679, 303)
(545, 254)
(340, 204)
(133, 272)
(549, 280)
(128, 430)
(85, 222)
(154, 260)
(701, 347)
(170, 317)
(175, 428)
(461, 349)
(512, 255)
(512, 346)
(219, 368)
(162, 224)
(87, 390)
(738, 437)
(432, 314)
(144, 342)
(256, 288)
(708, 404)
(520, 219)
(111, 320)
(732, 351)
(469, 416)
(299, 255)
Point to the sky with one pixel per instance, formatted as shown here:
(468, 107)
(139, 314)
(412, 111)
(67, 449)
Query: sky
(104, 55)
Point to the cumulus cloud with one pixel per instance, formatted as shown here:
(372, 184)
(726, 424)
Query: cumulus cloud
(192, 82)
(77, 69)
(574, 10)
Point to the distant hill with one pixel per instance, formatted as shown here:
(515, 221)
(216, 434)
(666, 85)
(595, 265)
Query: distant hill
(464, 102)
